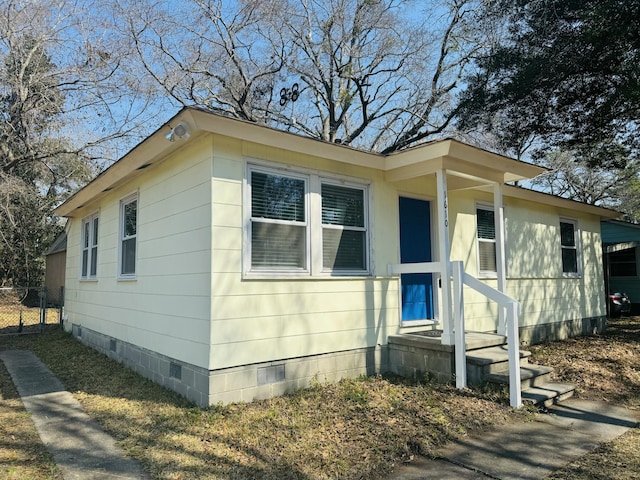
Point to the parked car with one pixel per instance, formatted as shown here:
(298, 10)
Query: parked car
(619, 304)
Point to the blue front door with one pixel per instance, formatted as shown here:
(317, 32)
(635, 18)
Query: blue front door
(415, 246)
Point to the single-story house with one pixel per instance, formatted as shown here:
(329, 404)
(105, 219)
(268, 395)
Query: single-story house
(230, 261)
(620, 241)
(55, 269)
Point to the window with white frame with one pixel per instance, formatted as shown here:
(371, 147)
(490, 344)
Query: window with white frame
(344, 233)
(569, 244)
(128, 235)
(288, 210)
(89, 263)
(486, 236)
(278, 221)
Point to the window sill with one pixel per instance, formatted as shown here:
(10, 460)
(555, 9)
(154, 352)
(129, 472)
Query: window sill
(89, 280)
(127, 279)
(487, 275)
(572, 275)
(304, 276)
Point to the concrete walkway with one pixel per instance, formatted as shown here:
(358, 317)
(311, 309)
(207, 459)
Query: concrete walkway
(527, 450)
(80, 448)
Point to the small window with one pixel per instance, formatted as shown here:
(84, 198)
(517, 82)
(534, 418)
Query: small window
(344, 241)
(89, 263)
(278, 222)
(128, 235)
(623, 263)
(486, 236)
(569, 242)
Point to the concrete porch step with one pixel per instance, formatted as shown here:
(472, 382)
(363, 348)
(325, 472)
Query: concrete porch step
(495, 356)
(486, 361)
(531, 375)
(492, 365)
(548, 394)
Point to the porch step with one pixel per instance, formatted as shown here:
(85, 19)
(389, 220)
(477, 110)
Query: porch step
(492, 365)
(537, 389)
(530, 376)
(486, 361)
(548, 394)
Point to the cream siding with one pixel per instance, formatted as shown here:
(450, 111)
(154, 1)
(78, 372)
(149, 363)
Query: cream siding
(192, 302)
(258, 320)
(167, 307)
(534, 262)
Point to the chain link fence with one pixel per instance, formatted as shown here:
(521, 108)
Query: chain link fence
(26, 310)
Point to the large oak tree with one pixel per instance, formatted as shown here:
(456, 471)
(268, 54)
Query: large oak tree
(565, 72)
(375, 74)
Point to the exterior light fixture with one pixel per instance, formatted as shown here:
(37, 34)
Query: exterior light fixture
(180, 131)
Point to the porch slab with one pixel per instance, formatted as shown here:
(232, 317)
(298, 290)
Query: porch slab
(414, 355)
(433, 339)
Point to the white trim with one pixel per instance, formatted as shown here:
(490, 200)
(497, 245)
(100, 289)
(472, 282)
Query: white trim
(132, 197)
(444, 249)
(364, 188)
(578, 247)
(313, 179)
(433, 227)
(89, 220)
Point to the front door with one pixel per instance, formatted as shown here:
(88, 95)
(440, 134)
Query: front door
(415, 246)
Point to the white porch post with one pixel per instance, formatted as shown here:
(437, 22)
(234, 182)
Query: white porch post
(458, 318)
(501, 263)
(444, 257)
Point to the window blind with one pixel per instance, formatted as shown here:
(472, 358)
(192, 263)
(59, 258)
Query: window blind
(277, 197)
(342, 206)
(486, 226)
(278, 246)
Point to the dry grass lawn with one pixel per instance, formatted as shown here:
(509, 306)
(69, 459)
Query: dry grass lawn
(355, 429)
(606, 368)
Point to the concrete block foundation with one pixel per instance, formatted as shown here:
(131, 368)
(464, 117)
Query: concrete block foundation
(243, 383)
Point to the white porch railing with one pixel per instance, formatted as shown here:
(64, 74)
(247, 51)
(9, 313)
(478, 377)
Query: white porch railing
(512, 307)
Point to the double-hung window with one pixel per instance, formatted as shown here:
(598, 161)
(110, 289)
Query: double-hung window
(344, 233)
(569, 244)
(89, 263)
(278, 222)
(486, 236)
(128, 236)
(301, 223)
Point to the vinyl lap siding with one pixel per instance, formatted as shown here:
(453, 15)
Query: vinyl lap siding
(167, 307)
(259, 320)
(534, 265)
